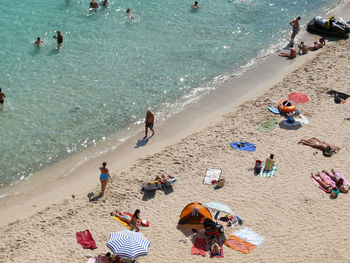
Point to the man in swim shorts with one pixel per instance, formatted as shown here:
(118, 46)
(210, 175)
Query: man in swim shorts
(2, 97)
(149, 121)
(295, 26)
(59, 38)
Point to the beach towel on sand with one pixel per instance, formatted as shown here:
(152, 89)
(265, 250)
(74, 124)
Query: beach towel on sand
(244, 146)
(250, 236)
(329, 180)
(274, 110)
(84, 238)
(199, 247)
(211, 174)
(239, 244)
(268, 125)
(269, 173)
(144, 223)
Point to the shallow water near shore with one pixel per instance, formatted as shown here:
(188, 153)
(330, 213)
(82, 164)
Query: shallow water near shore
(111, 68)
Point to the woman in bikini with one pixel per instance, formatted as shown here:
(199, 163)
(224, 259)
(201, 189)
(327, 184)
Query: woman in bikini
(339, 181)
(327, 187)
(104, 178)
(133, 221)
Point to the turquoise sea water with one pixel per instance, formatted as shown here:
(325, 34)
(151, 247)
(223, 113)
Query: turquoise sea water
(111, 68)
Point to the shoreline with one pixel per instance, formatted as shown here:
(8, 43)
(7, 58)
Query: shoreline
(210, 109)
(296, 219)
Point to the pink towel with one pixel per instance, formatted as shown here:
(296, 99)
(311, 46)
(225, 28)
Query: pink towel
(199, 247)
(330, 181)
(84, 238)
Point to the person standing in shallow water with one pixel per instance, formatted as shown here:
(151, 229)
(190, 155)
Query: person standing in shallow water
(59, 38)
(2, 97)
(104, 178)
(295, 28)
(149, 121)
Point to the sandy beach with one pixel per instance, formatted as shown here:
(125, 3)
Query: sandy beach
(297, 220)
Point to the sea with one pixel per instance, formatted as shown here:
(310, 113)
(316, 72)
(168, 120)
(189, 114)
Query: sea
(64, 100)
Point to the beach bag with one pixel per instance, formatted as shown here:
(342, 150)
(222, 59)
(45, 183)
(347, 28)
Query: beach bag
(257, 167)
(220, 183)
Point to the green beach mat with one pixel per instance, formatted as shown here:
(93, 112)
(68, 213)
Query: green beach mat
(270, 173)
(268, 125)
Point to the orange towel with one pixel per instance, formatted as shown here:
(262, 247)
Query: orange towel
(239, 244)
(199, 247)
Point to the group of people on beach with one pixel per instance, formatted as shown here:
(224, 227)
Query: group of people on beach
(327, 186)
(58, 38)
(303, 48)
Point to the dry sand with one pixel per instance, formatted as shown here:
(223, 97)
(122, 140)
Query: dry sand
(297, 220)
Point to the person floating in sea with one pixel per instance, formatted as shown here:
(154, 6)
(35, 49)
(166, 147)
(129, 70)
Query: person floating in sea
(195, 5)
(149, 121)
(295, 28)
(59, 38)
(104, 177)
(38, 42)
(93, 5)
(292, 53)
(2, 97)
(128, 12)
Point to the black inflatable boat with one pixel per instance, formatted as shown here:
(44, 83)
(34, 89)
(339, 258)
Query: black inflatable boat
(331, 27)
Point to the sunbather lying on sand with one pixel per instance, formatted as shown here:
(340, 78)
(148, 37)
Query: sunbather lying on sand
(316, 143)
(163, 179)
(339, 181)
(328, 188)
(108, 258)
(133, 221)
(215, 248)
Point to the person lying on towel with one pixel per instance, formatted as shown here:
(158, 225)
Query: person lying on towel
(328, 188)
(339, 181)
(133, 221)
(164, 179)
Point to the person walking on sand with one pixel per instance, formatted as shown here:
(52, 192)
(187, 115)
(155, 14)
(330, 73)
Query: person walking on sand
(149, 121)
(295, 28)
(2, 97)
(104, 177)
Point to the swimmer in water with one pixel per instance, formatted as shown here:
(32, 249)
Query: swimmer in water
(128, 12)
(195, 5)
(38, 42)
(104, 3)
(2, 97)
(59, 38)
(93, 4)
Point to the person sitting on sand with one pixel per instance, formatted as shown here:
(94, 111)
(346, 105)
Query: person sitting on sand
(322, 41)
(195, 5)
(38, 42)
(163, 179)
(339, 181)
(314, 47)
(327, 187)
(302, 48)
(93, 4)
(107, 258)
(128, 12)
(133, 221)
(292, 53)
(316, 143)
(269, 163)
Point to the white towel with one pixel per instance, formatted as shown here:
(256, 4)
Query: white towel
(250, 236)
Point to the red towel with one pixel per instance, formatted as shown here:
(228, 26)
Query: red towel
(84, 238)
(199, 247)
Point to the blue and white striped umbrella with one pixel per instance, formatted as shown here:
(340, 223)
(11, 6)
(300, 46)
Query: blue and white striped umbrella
(219, 208)
(128, 244)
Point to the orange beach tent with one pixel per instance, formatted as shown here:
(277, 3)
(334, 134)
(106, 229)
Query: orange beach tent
(193, 212)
